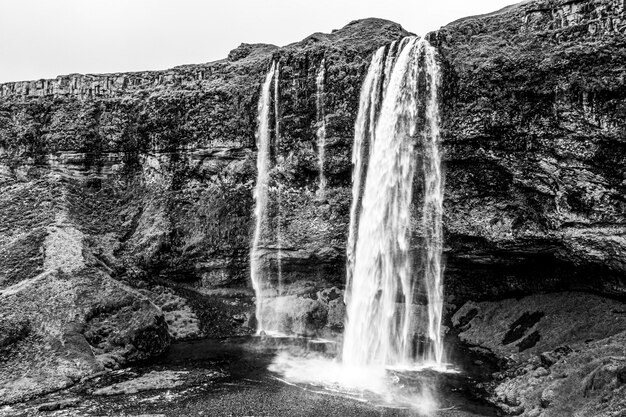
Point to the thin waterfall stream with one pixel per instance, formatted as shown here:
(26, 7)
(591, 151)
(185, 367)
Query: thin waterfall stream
(279, 219)
(321, 129)
(432, 212)
(261, 194)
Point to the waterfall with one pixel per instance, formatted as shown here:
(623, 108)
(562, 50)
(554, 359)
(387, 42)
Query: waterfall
(363, 137)
(376, 81)
(276, 104)
(432, 212)
(380, 274)
(321, 129)
(279, 218)
(261, 191)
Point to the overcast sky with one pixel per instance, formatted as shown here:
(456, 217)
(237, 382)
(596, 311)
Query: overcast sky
(46, 38)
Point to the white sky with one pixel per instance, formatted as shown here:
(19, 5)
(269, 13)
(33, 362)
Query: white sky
(46, 38)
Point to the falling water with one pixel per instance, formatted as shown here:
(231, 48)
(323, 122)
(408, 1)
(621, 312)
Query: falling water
(261, 190)
(321, 130)
(376, 81)
(363, 137)
(279, 229)
(432, 212)
(380, 287)
(396, 133)
(276, 105)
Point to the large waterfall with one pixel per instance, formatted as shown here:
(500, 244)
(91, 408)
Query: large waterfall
(263, 142)
(395, 240)
(398, 121)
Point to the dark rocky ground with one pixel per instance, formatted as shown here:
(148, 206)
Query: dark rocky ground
(559, 353)
(126, 207)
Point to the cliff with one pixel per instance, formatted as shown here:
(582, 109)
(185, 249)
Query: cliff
(187, 138)
(534, 122)
(150, 176)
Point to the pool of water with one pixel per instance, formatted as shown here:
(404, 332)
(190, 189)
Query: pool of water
(250, 376)
(305, 370)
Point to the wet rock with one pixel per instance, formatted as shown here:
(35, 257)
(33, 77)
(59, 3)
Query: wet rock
(109, 181)
(112, 182)
(585, 380)
(547, 397)
(550, 358)
(159, 165)
(150, 381)
(295, 315)
(540, 372)
(59, 405)
(305, 310)
(182, 321)
(336, 315)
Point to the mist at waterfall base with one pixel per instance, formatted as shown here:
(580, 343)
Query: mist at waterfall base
(398, 119)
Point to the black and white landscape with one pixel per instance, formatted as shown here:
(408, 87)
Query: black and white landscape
(363, 223)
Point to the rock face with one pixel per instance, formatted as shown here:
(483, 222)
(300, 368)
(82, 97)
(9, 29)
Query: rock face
(533, 114)
(534, 122)
(62, 315)
(175, 152)
(110, 183)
